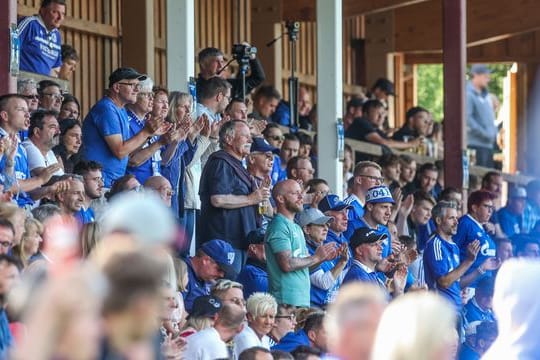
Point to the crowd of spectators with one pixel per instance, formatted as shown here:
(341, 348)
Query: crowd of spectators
(159, 225)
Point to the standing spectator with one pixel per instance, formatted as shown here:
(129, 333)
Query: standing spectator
(70, 59)
(300, 168)
(70, 108)
(381, 90)
(331, 206)
(106, 137)
(367, 174)
(471, 228)
(414, 217)
(71, 200)
(353, 110)
(40, 39)
(417, 120)
(30, 241)
(306, 143)
(265, 101)
(261, 313)
(28, 88)
(213, 98)
(161, 186)
(229, 197)
(426, 178)
(254, 276)
(42, 137)
(289, 149)
(286, 251)
(273, 134)
(505, 249)
(211, 343)
(93, 189)
(50, 95)
(481, 129)
(492, 181)
(68, 148)
(237, 110)
(261, 160)
(408, 170)
(391, 170)
(510, 217)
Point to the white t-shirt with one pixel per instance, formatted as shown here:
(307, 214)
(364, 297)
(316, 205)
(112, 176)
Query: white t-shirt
(248, 339)
(205, 345)
(36, 158)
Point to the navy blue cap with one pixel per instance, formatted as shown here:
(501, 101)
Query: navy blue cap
(223, 254)
(256, 236)
(365, 235)
(125, 73)
(259, 144)
(385, 85)
(332, 203)
(480, 69)
(205, 306)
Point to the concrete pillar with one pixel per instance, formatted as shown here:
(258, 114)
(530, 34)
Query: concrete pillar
(180, 43)
(138, 45)
(8, 84)
(329, 91)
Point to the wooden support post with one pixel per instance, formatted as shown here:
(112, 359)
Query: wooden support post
(8, 84)
(138, 45)
(454, 61)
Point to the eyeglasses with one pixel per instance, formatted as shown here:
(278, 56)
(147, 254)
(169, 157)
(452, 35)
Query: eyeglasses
(277, 138)
(374, 178)
(5, 244)
(489, 207)
(134, 86)
(146, 94)
(290, 317)
(55, 96)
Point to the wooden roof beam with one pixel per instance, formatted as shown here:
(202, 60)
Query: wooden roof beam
(365, 7)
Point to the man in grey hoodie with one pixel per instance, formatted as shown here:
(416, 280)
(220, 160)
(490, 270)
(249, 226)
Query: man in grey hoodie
(481, 129)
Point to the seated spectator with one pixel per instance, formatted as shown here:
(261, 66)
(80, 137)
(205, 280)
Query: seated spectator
(106, 137)
(211, 64)
(254, 276)
(70, 109)
(289, 149)
(306, 353)
(434, 335)
(28, 88)
(492, 181)
(93, 189)
(531, 215)
(202, 316)
(211, 343)
(505, 249)
(237, 110)
(284, 324)
(328, 276)
(7, 233)
(353, 110)
(9, 276)
(212, 261)
(317, 189)
(391, 170)
(527, 246)
(306, 142)
(312, 334)
(265, 101)
(50, 95)
(369, 127)
(486, 333)
(161, 186)
(124, 184)
(426, 178)
(286, 252)
(366, 246)
(381, 90)
(273, 134)
(480, 307)
(256, 353)
(299, 168)
(71, 200)
(90, 237)
(40, 29)
(510, 217)
(43, 135)
(348, 163)
(229, 292)
(69, 145)
(261, 312)
(16, 217)
(282, 114)
(70, 59)
(30, 241)
(416, 124)
(213, 98)
(413, 219)
(408, 170)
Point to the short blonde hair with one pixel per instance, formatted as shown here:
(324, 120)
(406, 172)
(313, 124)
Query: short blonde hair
(259, 303)
(415, 326)
(223, 285)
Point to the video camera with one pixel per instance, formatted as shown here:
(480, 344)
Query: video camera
(242, 52)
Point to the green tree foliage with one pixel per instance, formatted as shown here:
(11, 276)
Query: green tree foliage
(430, 86)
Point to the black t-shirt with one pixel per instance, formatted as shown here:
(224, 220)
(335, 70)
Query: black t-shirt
(361, 128)
(222, 177)
(403, 132)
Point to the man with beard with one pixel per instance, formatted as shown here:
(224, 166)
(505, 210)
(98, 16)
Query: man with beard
(229, 195)
(42, 137)
(444, 271)
(93, 189)
(287, 256)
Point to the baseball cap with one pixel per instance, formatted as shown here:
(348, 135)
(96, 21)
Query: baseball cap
(261, 145)
(205, 306)
(223, 254)
(313, 216)
(332, 202)
(125, 73)
(517, 192)
(365, 235)
(256, 237)
(379, 194)
(385, 85)
(480, 69)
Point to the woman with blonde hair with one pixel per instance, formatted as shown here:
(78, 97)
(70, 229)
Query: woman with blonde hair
(30, 241)
(417, 326)
(16, 216)
(90, 236)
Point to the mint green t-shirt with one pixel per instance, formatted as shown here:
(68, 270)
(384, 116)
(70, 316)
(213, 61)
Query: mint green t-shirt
(290, 288)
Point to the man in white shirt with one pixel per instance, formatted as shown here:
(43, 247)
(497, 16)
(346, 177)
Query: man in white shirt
(211, 343)
(43, 135)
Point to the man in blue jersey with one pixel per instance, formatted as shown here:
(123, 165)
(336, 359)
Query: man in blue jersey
(106, 135)
(444, 271)
(367, 174)
(93, 189)
(330, 205)
(41, 43)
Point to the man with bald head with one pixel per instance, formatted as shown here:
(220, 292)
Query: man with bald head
(287, 257)
(161, 186)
